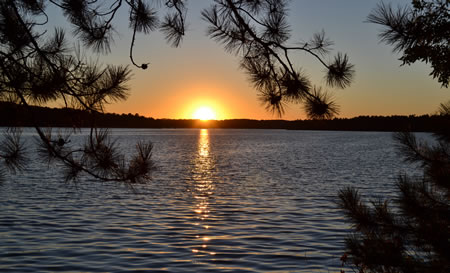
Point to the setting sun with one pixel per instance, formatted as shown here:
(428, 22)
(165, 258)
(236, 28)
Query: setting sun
(204, 113)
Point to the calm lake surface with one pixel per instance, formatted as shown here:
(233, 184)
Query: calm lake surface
(220, 201)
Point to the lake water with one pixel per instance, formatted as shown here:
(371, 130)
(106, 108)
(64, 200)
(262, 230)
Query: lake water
(220, 201)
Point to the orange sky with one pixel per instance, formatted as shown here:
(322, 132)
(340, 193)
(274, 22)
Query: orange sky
(201, 73)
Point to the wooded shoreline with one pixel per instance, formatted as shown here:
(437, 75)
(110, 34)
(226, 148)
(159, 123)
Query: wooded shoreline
(18, 116)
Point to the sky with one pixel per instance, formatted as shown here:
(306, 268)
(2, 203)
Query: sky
(200, 73)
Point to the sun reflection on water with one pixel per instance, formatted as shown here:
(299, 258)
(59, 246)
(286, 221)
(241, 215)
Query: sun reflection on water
(203, 189)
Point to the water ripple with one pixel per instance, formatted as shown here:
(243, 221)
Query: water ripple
(221, 201)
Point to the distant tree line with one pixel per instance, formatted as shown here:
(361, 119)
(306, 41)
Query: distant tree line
(16, 115)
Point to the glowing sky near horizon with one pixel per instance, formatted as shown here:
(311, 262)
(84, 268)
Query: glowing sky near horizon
(201, 74)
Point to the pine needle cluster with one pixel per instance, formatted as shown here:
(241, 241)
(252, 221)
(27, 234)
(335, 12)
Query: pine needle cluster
(411, 232)
(38, 67)
(259, 32)
(421, 32)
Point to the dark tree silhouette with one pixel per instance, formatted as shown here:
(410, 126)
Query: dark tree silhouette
(259, 33)
(411, 232)
(37, 67)
(420, 33)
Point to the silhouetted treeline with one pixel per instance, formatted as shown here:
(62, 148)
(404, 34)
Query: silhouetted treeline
(17, 115)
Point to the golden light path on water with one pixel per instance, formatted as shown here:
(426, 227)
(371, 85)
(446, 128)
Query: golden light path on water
(203, 190)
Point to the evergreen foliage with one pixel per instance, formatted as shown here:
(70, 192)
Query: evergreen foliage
(38, 67)
(410, 233)
(259, 33)
(420, 32)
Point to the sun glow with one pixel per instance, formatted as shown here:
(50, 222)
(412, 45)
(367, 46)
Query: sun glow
(204, 113)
